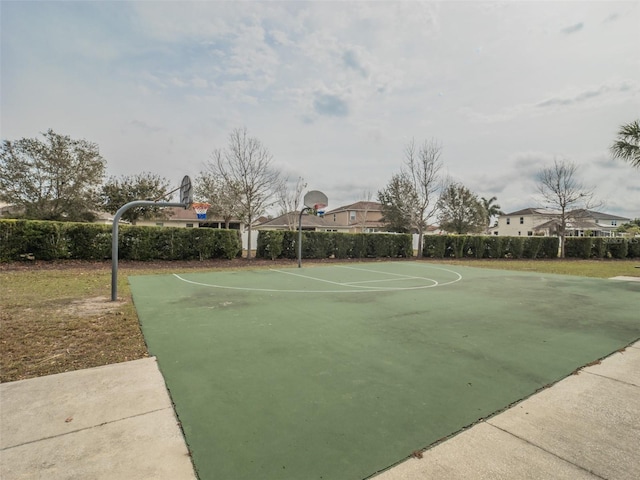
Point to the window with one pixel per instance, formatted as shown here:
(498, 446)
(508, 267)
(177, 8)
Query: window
(334, 217)
(189, 225)
(521, 220)
(519, 233)
(159, 224)
(508, 221)
(614, 222)
(529, 234)
(352, 215)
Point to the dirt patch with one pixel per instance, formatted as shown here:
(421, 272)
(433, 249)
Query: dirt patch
(94, 306)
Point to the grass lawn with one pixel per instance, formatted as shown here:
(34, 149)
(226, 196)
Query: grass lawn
(57, 317)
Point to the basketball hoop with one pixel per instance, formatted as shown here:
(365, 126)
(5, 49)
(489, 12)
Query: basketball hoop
(201, 209)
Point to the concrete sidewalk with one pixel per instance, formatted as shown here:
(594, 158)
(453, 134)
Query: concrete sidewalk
(586, 426)
(109, 422)
(117, 421)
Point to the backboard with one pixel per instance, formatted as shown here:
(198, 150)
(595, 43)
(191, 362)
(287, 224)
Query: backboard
(186, 191)
(316, 200)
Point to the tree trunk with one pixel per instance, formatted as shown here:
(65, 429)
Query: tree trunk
(249, 242)
(420, 233)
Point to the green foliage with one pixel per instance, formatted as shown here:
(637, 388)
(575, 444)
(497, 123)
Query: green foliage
(627, 145)
(270, 244)
(56, 178)
(117, 192)
(45, 240)
(460, 210)
(398, 201)
(484, 246)
(618, 247)
(333, 245)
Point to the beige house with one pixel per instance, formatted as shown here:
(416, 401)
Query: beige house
(544, 222)
(291, 221)
(359, 217)
(187, 218)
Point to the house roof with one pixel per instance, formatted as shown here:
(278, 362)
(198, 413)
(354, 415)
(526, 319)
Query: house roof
(577, 213)
(532, 211)
(593, 214)
(287, 219)
(369, 206)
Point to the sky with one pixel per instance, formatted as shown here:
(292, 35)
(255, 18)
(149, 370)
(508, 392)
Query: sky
(335, 90)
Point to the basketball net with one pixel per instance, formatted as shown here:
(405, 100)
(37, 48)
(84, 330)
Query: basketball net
(201, 209)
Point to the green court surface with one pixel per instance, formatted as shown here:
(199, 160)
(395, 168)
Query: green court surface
(341, 371)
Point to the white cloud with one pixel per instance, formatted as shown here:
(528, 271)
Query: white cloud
(333, 89)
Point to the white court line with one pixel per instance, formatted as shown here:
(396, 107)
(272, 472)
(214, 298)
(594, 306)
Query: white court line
(377, 289)
(347, 287)
(459, 277)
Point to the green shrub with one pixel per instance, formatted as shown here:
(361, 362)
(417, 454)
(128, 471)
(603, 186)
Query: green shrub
(578, 247)
(434, 246)
(43, 240)
(618, 247)
(633, 248)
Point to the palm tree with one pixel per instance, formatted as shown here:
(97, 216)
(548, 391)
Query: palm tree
(627, 146)
(491, 209)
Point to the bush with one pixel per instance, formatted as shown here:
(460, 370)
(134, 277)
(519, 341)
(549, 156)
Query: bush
(45, 240)
(333, 244)
(618, 247)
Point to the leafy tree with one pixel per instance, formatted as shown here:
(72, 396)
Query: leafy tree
(246, 165)
(117, 192)
(491, 209)
(55, 178)
(397, 200)
(562, 191)
(460, 211)
(632, 227)
(223, 197)
(627, 145)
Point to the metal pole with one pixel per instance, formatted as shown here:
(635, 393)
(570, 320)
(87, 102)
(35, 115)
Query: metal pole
(114, 237)
(300, 236)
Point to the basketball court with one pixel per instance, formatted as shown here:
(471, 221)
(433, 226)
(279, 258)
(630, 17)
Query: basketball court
(342, 371)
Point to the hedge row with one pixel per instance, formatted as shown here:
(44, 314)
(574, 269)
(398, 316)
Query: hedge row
(478, 246)
(44, 240)
(275, 244)
(602, 247)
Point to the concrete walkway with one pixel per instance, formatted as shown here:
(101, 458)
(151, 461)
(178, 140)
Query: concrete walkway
(109, 422)
(586, 426)
(117, 421)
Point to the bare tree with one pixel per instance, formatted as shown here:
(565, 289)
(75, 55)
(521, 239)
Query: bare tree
(562, 191)
(246, 165)
(422, 170)
(289, 200)
(367, 196)
(223, 197)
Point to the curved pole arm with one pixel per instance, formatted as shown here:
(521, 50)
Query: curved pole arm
(305, 209)
(114, 236)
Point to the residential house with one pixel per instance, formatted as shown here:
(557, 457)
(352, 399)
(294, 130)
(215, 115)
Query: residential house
(291, 221)
(359, 217)
(545, 222)
(187, 218)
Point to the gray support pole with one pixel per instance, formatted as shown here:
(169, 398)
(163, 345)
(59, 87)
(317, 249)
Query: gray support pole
(114, 237)
(300, 235)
